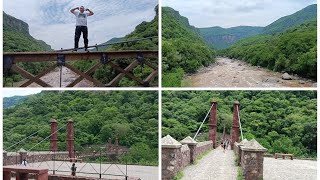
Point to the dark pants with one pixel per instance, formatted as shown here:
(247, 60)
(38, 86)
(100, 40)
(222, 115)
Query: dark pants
(77, 35)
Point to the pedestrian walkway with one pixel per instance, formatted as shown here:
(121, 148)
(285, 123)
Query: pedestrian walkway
(215, 165)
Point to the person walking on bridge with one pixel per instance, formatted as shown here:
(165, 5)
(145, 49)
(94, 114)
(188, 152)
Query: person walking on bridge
(81, 26)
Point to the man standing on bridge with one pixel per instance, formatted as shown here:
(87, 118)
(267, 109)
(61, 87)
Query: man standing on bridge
(81, 26)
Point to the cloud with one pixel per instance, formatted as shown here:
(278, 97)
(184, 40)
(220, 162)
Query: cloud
(51, 20)
(204, 13)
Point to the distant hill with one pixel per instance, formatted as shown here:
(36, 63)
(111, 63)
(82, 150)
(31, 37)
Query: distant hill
(183, 49)
(219, 38)
(307, 14)
(293, 51)
(13, 101)
(16, 37)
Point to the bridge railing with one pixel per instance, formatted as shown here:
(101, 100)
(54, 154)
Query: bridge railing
(96, 162)
(142, 58)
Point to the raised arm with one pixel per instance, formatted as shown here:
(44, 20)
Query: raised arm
(72, 10)
(90, 12)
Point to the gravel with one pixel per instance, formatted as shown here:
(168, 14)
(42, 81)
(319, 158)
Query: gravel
(279, 169)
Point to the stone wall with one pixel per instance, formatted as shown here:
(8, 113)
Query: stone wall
(185, 156)
(13, 158)
(202, 147)
(176, 156)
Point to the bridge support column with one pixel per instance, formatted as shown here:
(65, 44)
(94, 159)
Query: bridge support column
(252, 160)
(213, 123)
(70, 138)
(235, 124)
(54, 135)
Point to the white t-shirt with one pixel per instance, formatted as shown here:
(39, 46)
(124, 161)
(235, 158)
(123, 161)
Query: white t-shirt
(81, 18)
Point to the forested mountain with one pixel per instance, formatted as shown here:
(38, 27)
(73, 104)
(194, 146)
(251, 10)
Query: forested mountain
(183, 50)
(307, 14)
(282, 121)
(293, 51)
(16, 37)
(12, 101)
(98, 115)
(220, 38)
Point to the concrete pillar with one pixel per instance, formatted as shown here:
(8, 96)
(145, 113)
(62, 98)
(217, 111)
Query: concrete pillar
(252, 160)
(54, 135)
(70, 138)
(192, 144)
(171, 157)
(23, 155)
(5, 157)
(235, 124)
(213, 123)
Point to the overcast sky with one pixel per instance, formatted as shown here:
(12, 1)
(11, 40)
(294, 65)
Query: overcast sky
(230, 13)
(51, 21)
(19, 92)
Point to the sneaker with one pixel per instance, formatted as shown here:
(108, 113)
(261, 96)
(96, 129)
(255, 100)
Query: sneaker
(75, 50)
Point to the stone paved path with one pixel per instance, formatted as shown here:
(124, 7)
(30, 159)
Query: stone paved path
(215, 165)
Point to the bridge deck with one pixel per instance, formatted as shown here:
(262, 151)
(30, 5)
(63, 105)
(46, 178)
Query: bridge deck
(215, 165)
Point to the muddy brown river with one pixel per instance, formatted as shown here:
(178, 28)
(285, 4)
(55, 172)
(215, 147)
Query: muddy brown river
(235, 73)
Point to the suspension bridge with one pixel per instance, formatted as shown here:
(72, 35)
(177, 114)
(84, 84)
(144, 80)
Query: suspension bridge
(65, 58)
(208, 160)
(95, 162)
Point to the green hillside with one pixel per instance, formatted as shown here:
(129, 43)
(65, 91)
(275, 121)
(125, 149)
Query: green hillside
(293, 51)
(98, 116)
(143, 30)
(307, 14)
(282, 121)
(183, 50)
(12, 101)
(220, 38)
(16, 37)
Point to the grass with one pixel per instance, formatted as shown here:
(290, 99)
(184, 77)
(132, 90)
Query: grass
(240, 174)
(178, 176)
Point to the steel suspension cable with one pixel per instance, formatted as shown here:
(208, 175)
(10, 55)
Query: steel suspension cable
(22, 140)
(46, 138)
(203, 122)
(240, 123)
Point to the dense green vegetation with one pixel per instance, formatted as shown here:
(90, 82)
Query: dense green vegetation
(183, 50)
(293, 51)
(282, 121)
(307, 14)
(130, 115)
(221, 38)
